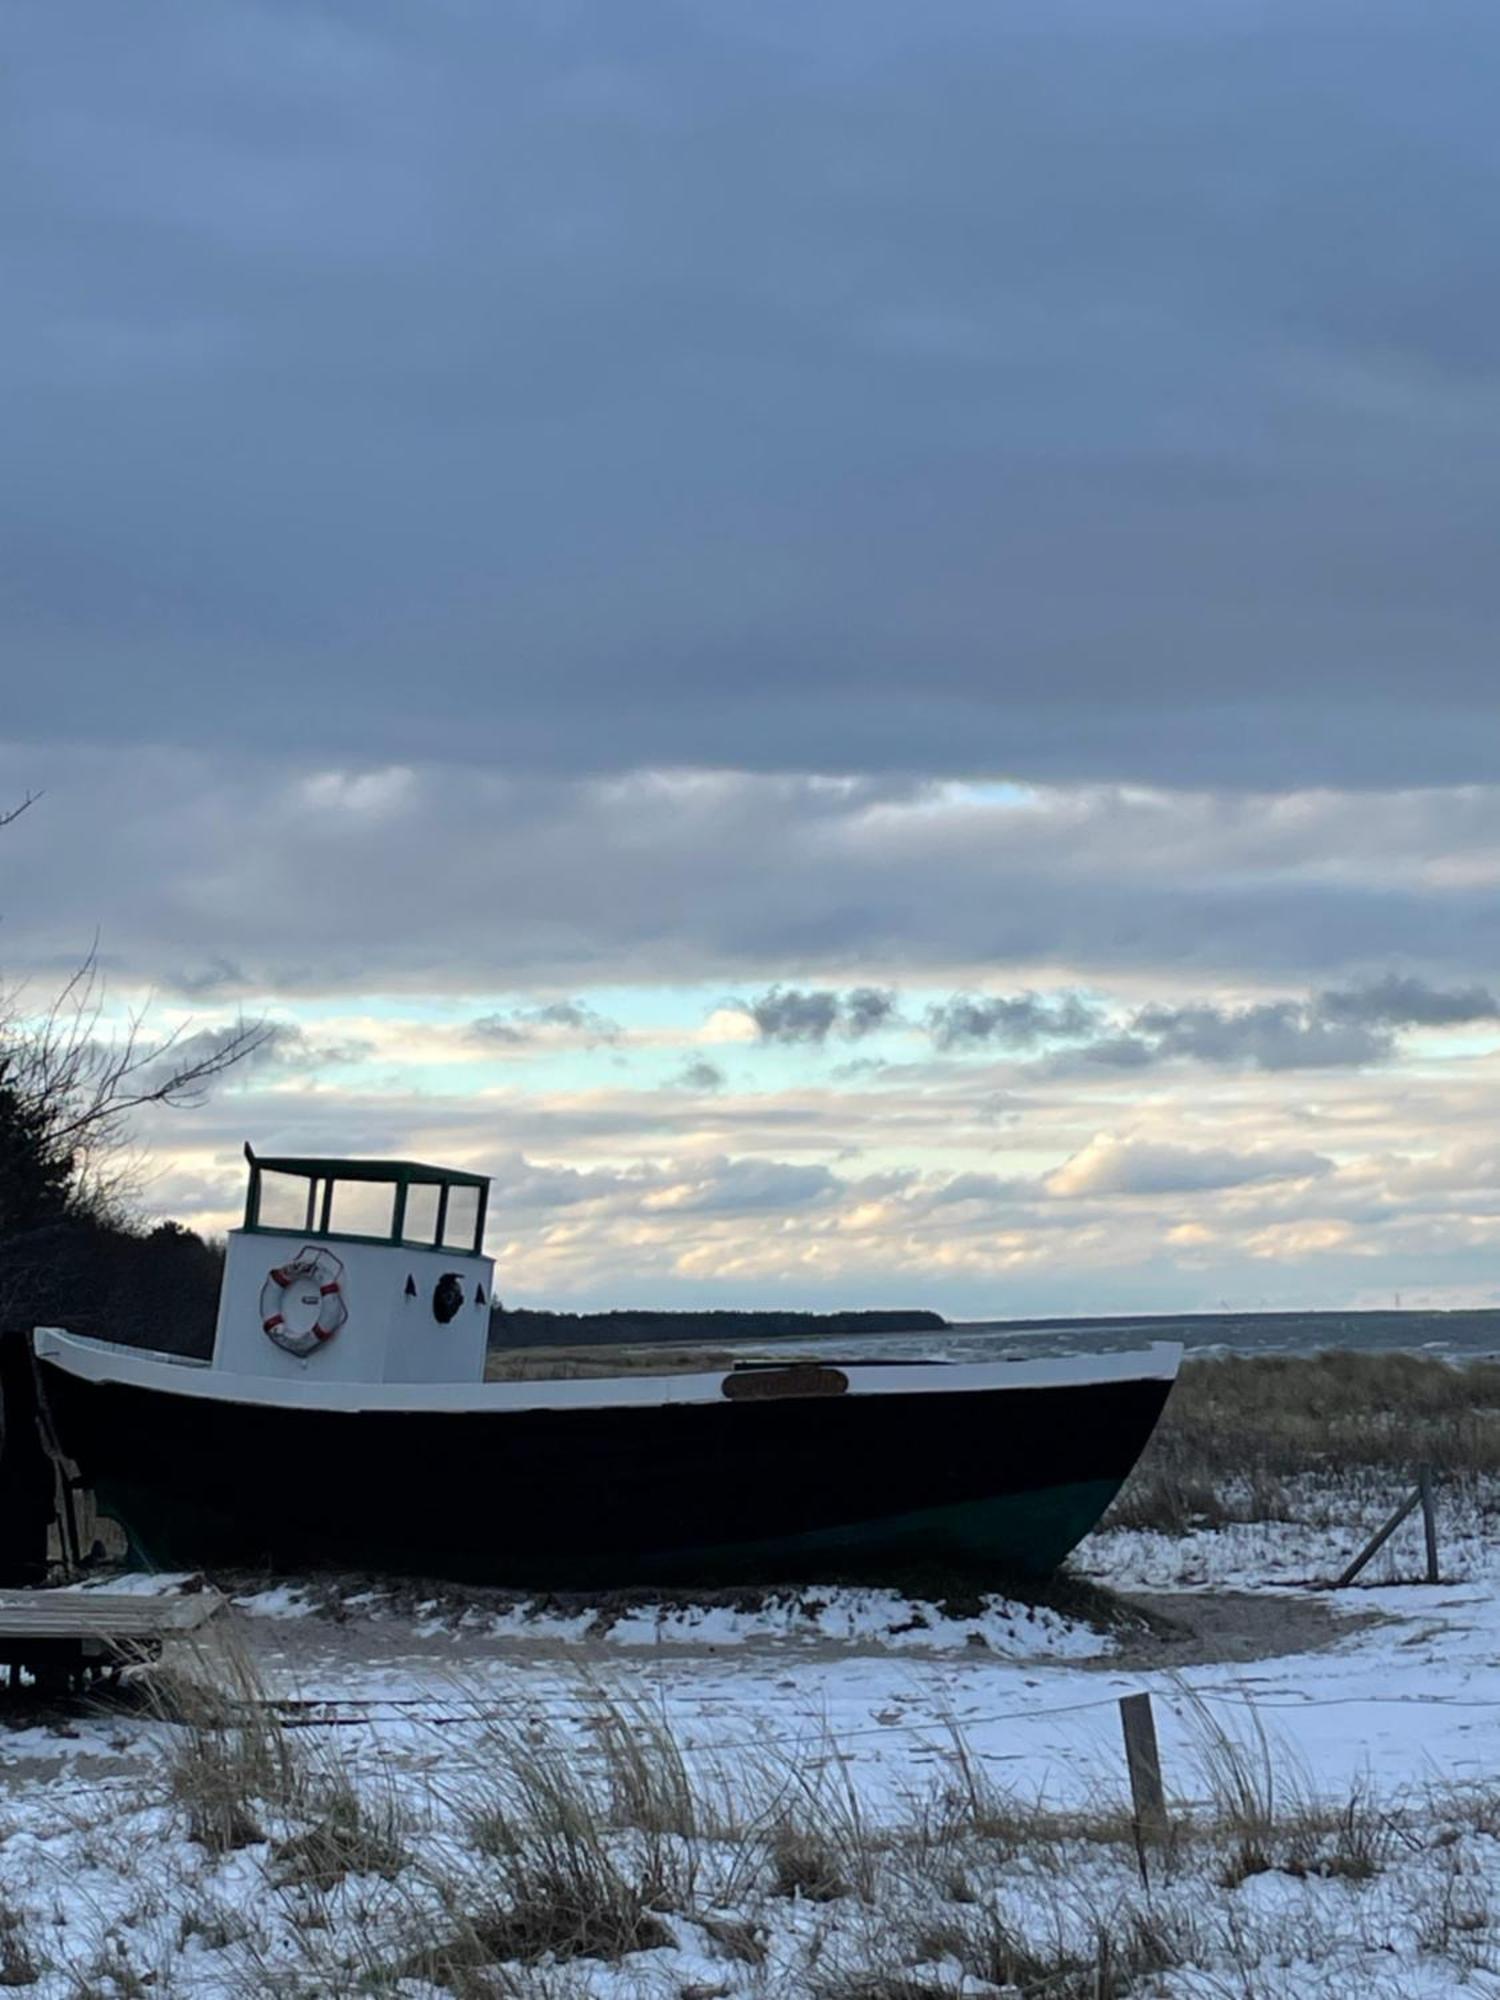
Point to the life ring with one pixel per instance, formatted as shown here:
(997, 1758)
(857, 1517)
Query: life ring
(302, 1302)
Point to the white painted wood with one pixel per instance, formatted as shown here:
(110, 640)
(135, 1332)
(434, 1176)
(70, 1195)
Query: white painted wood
(104, 1361)
(389, 1334)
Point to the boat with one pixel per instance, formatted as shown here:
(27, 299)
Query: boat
(343, 1421)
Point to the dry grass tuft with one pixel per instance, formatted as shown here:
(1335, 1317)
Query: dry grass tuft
(562, 1882)
(18, 1967)
(885, 1986)
(737, 1938)
(1266, 1817)
(347, 1837)
(1458, 1925)
(216, 1783)
(212, 1924)
(649, 1784)
(1109, 1965)
(543, 1918)
(805, 1865)
(234, 1757)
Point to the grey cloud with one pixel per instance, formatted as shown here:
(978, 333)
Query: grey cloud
(746, 1186)
(988, 1189)
(293, 1047)
(867, 1009)
(1272, 1035)
(701, 1076)
(1123, 1052)
(1333, 1029)
(518, 1027)
(574, 1014)
(716, 1186)
(207, 980)
(519, 1183)
(1404, 1002)
(787, 1014)
(790, 1016)
(426, 378)
(498, 1028)
(669, 878)
(1020, 1022)
(285, 1047)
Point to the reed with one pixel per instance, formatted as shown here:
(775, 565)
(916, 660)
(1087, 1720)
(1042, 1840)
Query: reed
(1237, 1429)
(556, 1856)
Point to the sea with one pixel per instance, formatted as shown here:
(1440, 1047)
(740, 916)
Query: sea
(1459, 1335)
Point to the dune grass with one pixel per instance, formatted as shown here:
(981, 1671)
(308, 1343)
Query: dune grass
(1239, 1430)
(554, 1850)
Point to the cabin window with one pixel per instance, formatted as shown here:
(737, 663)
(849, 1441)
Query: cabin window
(360, 1208)
(287, 1201)
(461, 1219)
(421, 1213)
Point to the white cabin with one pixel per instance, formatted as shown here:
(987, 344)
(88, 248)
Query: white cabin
(357, 1271)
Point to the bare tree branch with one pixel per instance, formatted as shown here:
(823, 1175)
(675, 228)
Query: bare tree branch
(8, 814)
(82, 1079)
(73, 1071)
(92, 1080)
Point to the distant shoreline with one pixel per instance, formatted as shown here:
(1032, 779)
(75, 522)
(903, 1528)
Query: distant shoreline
(528, 1327)
(535, 1327)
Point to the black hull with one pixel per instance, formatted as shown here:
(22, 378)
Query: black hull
(1003, 1480)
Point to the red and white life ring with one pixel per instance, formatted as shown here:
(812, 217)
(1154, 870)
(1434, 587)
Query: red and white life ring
(302, 1302)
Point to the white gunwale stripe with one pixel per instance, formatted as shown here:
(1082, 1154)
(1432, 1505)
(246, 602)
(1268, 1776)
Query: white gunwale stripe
(107, 1361)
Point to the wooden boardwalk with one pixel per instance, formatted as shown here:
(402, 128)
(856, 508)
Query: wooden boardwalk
(62, 1637)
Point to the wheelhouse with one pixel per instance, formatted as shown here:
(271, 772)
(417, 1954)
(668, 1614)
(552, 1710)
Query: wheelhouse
(356, 1271)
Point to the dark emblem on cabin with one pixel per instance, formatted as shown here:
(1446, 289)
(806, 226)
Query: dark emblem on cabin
(447, 1297)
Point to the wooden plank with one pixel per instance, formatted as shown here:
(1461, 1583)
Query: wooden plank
(1378, 1542)
(100, 1614)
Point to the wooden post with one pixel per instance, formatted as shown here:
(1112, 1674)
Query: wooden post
(1429, 1521)
(1148, 1801)
(1378, 1542)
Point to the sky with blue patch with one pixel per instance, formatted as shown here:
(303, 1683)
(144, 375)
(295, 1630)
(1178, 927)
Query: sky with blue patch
(853, 646)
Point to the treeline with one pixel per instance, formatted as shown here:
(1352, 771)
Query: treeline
(525, 1326)
(146, 1288)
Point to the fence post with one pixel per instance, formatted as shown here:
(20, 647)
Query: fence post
(1148, 1802)
(1429, 1521)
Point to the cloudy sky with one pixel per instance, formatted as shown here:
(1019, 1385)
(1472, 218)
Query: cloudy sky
(854, 645)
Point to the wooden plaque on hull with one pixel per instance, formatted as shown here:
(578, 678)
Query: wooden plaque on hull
(757, 1385)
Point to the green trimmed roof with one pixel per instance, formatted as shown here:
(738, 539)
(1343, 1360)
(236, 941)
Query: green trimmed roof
(409, 1173)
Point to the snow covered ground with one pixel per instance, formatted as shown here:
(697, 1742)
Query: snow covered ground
(853, 1796)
